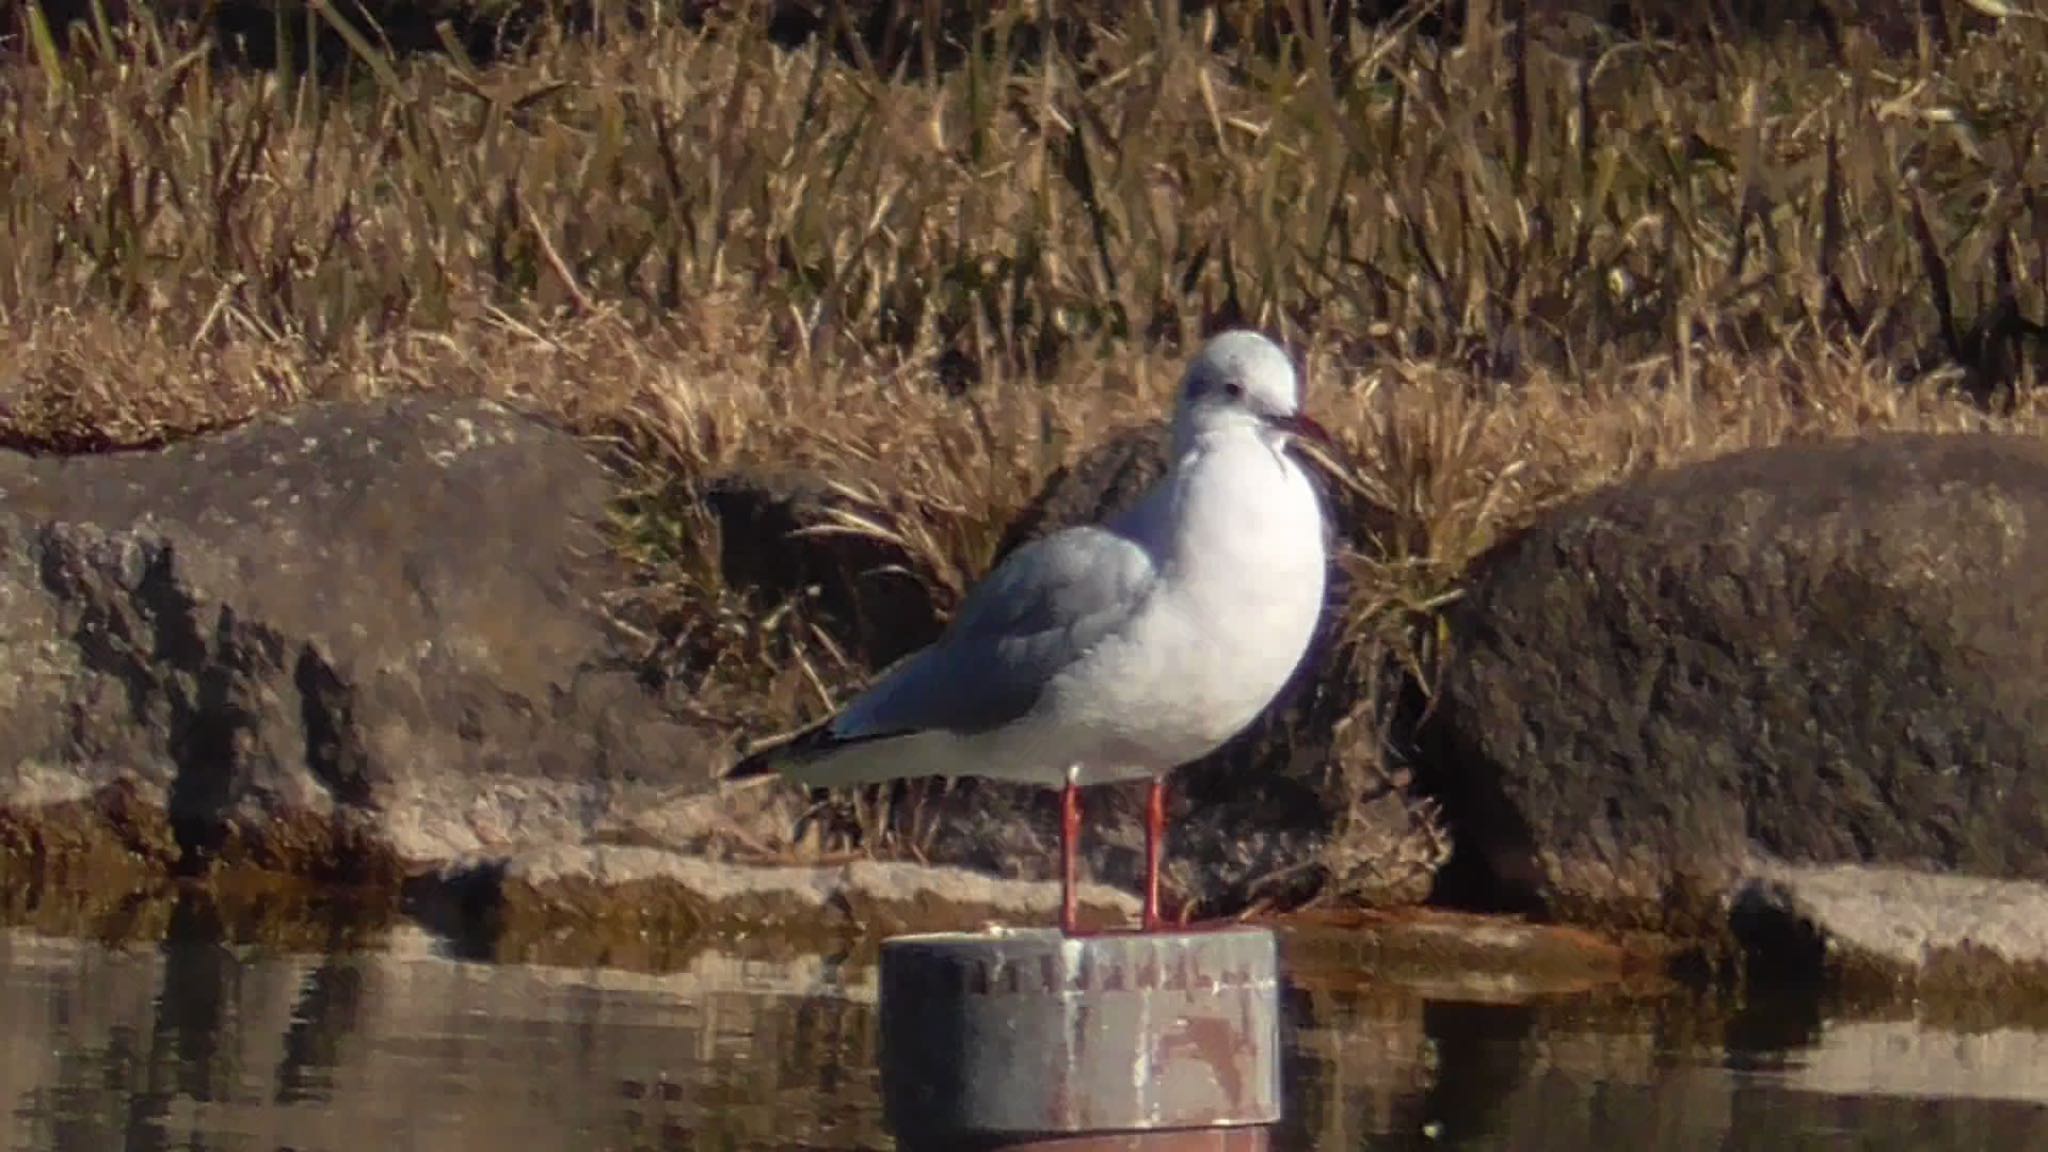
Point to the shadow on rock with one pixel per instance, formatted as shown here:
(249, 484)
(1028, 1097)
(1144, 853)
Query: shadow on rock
(858, 585)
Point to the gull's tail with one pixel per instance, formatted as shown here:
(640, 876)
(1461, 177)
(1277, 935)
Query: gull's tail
(874, 738)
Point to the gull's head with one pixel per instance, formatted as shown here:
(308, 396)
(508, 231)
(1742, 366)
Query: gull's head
(1241, 382)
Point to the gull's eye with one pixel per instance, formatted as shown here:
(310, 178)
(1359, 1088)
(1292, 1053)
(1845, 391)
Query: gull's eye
(1234, 390)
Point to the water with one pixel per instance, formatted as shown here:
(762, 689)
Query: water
(206, 1046)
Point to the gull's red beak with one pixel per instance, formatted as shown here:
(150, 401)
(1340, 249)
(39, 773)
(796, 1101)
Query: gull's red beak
(1303, 425)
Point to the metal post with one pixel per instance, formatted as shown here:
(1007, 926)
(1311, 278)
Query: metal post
(1029, 1041)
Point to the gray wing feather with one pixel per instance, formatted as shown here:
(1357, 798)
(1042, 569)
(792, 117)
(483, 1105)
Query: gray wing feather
(1044, 607)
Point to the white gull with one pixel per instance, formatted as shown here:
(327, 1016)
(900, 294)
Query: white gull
(1117, 651)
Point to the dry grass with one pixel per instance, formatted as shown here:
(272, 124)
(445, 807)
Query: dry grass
(1524, 262)
(1459, 463)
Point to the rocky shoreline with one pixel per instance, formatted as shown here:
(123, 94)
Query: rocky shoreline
(1777, 713)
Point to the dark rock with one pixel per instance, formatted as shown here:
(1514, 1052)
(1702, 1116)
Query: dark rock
(1819, 653)
(1094, 488)
(343, 644)
(860, 585)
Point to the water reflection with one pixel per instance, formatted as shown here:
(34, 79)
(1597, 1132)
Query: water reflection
(200, 1045)
(204, 1046)
(1681, 1071)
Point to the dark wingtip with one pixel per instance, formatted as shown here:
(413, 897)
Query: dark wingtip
(749, 767)
(814, 741)
(768, 759)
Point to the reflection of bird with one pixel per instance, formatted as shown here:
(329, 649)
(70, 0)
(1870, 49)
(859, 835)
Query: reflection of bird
(1117, 651)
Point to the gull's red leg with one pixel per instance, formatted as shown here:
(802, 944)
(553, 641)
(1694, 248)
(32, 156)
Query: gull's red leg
(1155, 832)
(1070, 835)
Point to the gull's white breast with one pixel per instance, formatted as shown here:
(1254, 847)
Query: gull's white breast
(1239, 538)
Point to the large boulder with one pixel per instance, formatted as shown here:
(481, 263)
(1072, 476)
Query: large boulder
(1822, 653)
(341, 642)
